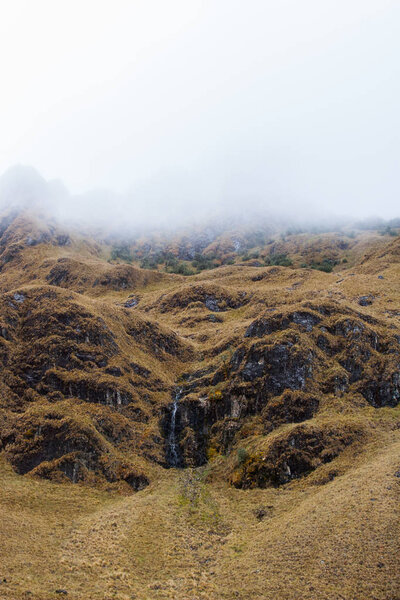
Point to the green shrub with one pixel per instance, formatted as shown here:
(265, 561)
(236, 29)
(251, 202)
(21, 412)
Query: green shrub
(121, 252)
(148, 262)
(242, 455)
(202, 263)
(326, 265)
(280, 260)
(180, 269)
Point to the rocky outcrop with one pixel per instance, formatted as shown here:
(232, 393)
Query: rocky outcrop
(214, 297)
(292, 455)
(61, 448)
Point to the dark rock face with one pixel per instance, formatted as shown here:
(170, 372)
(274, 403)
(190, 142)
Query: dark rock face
(282, 378)
(194, 419)
(383, 391)
(278, 322)
(88, 390)
(293, 455)
(60, 448)
(281, 365)
(290, 407)
(353, 329)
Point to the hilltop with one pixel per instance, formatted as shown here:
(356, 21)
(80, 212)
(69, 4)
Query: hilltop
(262, 362)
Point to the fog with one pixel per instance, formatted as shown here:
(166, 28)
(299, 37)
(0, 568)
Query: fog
(165, 112)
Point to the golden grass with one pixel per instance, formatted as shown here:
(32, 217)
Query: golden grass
(331, 535)
(184, 537)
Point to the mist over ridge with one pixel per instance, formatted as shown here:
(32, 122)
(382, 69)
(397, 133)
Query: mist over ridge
(148, 210)
(191, 109)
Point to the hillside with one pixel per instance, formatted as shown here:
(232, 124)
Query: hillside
(208, 415)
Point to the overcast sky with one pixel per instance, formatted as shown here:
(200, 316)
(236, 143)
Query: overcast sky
(273, 102)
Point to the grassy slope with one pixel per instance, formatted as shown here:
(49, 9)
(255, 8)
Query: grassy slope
(190, 535)
(184, 538)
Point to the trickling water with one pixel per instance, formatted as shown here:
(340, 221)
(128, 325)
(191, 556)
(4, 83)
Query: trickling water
(173, 458)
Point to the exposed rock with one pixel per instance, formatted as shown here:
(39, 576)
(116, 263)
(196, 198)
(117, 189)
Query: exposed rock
(366, 300)
(293, 454)
(57, 447)
(382, 391)
(18, 297)
(290, 407)
(131, 302)
(278, 322)
(213, 297)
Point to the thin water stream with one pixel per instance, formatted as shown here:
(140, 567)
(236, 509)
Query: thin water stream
(173, 452)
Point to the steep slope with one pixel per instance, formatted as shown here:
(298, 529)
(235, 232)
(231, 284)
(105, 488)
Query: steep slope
(275, 388)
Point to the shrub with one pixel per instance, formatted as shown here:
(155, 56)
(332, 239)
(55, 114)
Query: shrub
(201, 263)
(148, 263)
(280, 260)
(180, 269)
(121, 252)
(326, 265)
(215, 394)
(242, 455)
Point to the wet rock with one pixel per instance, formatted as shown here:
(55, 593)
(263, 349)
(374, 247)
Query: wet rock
(193, 425)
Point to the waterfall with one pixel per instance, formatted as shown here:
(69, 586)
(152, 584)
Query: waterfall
(173, 453)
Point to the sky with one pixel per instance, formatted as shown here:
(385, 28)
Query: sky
(176, 104)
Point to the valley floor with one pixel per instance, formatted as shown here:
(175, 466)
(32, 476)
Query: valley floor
(188, 538)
